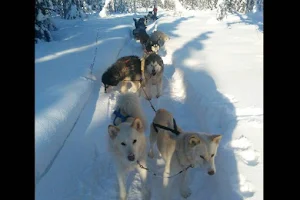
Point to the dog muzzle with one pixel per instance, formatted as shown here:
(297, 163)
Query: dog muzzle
(131, 157)
(153, 73)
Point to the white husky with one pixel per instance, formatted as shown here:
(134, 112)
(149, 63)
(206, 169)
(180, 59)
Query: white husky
(127, 141)
(180, 152)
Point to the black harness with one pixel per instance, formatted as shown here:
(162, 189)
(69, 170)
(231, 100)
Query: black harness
(175, 130)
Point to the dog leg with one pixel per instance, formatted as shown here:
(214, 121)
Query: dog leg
(123, 87)
(122, 186)
(148, 89)
(138, 87)
(185, 191)
(153, 138)
(167, 182)
(143, 174)
(159, 88)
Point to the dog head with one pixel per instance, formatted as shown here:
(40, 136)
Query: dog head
(204, 149)
(152, 47)
(128, 140)
(142, 21)
(146, 19)
(110, 79)
(153, 64)
(153, 68)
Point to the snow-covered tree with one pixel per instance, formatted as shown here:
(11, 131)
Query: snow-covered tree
(73, 9)
(43, 22)
(105, 10)
(240, 6)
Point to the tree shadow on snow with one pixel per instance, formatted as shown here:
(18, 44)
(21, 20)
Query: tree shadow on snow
(215, 114)
(250, 19)
(60, 63)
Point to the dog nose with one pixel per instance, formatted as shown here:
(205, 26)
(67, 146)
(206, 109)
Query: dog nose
(131, 157)
(153, 70)
(211, 172)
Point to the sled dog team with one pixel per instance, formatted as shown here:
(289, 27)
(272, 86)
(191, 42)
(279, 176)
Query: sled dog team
(180, 149)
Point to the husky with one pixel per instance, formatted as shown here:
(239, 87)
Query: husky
(140, 26)
(156, 41)
(151, 47)
(140, 23)
(127, 141)
(125, 70)
(143, 37)
(181, 151)
(154, 69)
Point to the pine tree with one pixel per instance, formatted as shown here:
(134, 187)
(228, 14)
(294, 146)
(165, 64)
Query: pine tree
(43, 22)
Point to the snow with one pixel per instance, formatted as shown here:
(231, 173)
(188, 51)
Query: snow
(40, 16)
(104, 12)
(213, 82)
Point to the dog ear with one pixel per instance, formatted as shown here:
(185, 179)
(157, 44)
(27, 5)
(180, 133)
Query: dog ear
(137, 125)
(194, 140)
(216, 138)
(113, 131)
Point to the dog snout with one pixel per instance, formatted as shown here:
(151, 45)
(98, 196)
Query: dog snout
(153, 72)
(131, 157)
(212, 172)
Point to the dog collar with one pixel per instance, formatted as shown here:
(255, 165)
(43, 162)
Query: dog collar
(119, 115)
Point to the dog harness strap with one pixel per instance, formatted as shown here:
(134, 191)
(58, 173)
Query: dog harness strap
(155, 128)
(119, 115)
(175, 125)
(165, 128)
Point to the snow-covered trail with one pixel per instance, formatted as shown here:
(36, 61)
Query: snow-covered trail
(84, 169)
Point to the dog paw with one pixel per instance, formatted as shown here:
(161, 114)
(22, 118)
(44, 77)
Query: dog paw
(243, 147)
(123, 197)
(151, 154)
(158, 95)
(148, 98)
(186, 192)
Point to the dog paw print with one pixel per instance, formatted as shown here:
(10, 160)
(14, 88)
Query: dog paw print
(246, 188)
(243, 147)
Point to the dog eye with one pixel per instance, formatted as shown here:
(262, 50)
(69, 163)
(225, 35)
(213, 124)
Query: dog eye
(202, 157)
(134, 141)
(123, 144)
(212, 155)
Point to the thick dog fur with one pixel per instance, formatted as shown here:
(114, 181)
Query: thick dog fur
(151, 16)
(156, 40)
(125, 70)
(143, 36)
(127, 142)
(159, 37)
(151, 47)
(154, 69)
(140, 23)
(180, 151)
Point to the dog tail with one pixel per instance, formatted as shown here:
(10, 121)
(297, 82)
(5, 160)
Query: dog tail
(130, 103)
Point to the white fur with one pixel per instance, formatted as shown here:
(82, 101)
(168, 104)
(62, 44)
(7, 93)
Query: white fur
(130, 105)
(127, 143)
(181, 151)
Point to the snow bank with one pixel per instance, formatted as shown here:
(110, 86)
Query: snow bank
(54, 126)
(60, 91)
